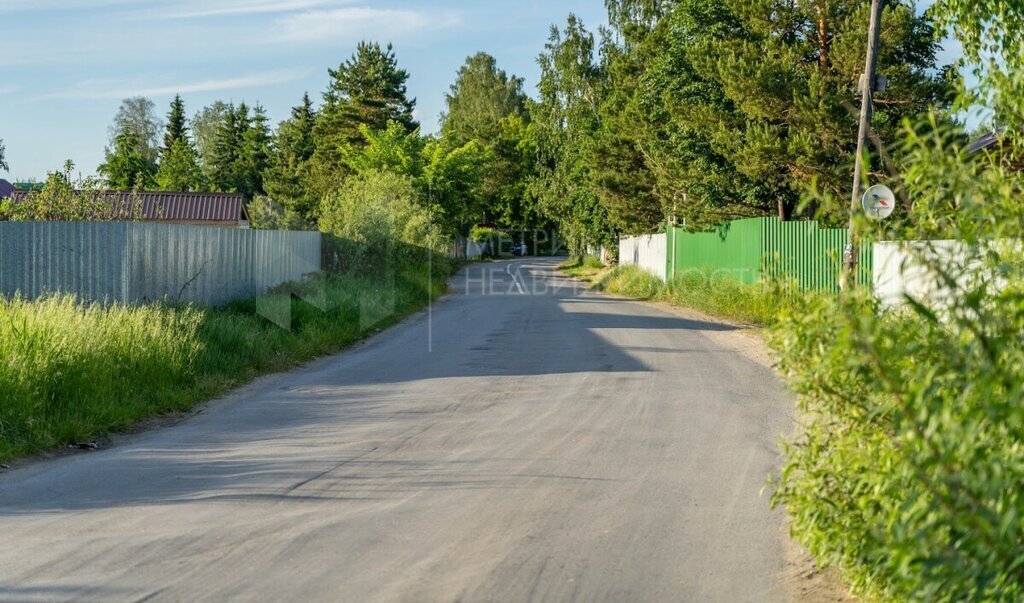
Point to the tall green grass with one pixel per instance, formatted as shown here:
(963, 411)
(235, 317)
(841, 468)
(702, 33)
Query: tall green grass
(71, 371)
(583, 267)
(702, 290)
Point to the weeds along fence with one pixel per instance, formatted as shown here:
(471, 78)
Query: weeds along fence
(756, 249)
(645, 251)
(138, 262)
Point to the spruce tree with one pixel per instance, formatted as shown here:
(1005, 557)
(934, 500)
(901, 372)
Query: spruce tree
(179, 164)
(254, 157)
(225, 153)
(293, 148)
(176, 124)
(179, 168)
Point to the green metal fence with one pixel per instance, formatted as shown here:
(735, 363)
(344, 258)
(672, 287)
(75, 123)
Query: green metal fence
(757, 248)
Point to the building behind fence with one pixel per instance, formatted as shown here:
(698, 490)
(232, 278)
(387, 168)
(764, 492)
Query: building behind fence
(752, 250)
(136, 262)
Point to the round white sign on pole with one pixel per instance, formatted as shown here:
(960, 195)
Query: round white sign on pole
(879, 202)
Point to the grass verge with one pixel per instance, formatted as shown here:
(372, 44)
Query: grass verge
(71, 372)
(702, 290)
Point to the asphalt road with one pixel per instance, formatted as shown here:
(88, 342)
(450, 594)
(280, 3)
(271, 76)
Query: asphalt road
(524, 441)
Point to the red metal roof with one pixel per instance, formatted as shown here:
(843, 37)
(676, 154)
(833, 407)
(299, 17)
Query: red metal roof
(172, 206)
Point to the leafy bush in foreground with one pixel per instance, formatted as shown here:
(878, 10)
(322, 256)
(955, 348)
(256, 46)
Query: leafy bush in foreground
(908, 469)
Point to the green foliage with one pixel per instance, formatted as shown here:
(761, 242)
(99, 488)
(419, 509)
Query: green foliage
(179, 169)
(702, 290)
(447, 180)
(254, 158)
(564, 119)
(480, 98)
(267, 214)
(63, 199)
(126, 166)
(451, 183)
(488, 108)
(584, 267)
(393, 148)
(75, 371)
(711, 110)
(906, 471)
(241, 151)
(369, 89)
(206, 123)
(177, 128)
(137, 116)
(225, 161)
(993, 49)
(380, 217)
(179, 164)
(3, 159)
(292, 149)
(480, 234)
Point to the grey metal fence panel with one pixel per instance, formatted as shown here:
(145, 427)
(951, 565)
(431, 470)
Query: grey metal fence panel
(137, 262)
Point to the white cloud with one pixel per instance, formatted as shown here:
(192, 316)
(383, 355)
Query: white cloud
(99, 90)
(233, 8)
(353, 22)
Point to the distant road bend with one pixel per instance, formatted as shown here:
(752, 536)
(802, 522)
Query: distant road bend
(554, 445)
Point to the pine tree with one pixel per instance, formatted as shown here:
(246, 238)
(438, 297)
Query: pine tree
(480, 98)
(369, 89)
(771, 88)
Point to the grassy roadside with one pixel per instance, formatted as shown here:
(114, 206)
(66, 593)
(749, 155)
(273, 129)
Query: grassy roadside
(701, 290)
(71, 372)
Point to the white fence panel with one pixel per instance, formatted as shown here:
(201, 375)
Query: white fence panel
(648, 252)
(899, 270)
(138, 262)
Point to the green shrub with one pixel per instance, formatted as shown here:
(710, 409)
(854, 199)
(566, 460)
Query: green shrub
(379, 222)
(908, 466)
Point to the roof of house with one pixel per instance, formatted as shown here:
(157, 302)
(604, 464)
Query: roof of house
(176, 206)
(6, 188)
(987, 141)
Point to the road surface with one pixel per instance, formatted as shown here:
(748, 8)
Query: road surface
(524, 441)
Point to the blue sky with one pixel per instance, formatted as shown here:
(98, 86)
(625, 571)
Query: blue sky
(66, 64)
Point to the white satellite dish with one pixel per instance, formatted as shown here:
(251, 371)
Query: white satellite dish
(879, 202)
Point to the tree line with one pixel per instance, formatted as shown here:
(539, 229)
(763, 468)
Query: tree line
(695, 110)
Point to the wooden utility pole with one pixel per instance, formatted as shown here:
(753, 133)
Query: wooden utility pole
(868, 84)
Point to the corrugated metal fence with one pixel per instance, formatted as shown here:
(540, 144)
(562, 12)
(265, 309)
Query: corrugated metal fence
(645, 251)
(137, 262)
(757, 248)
